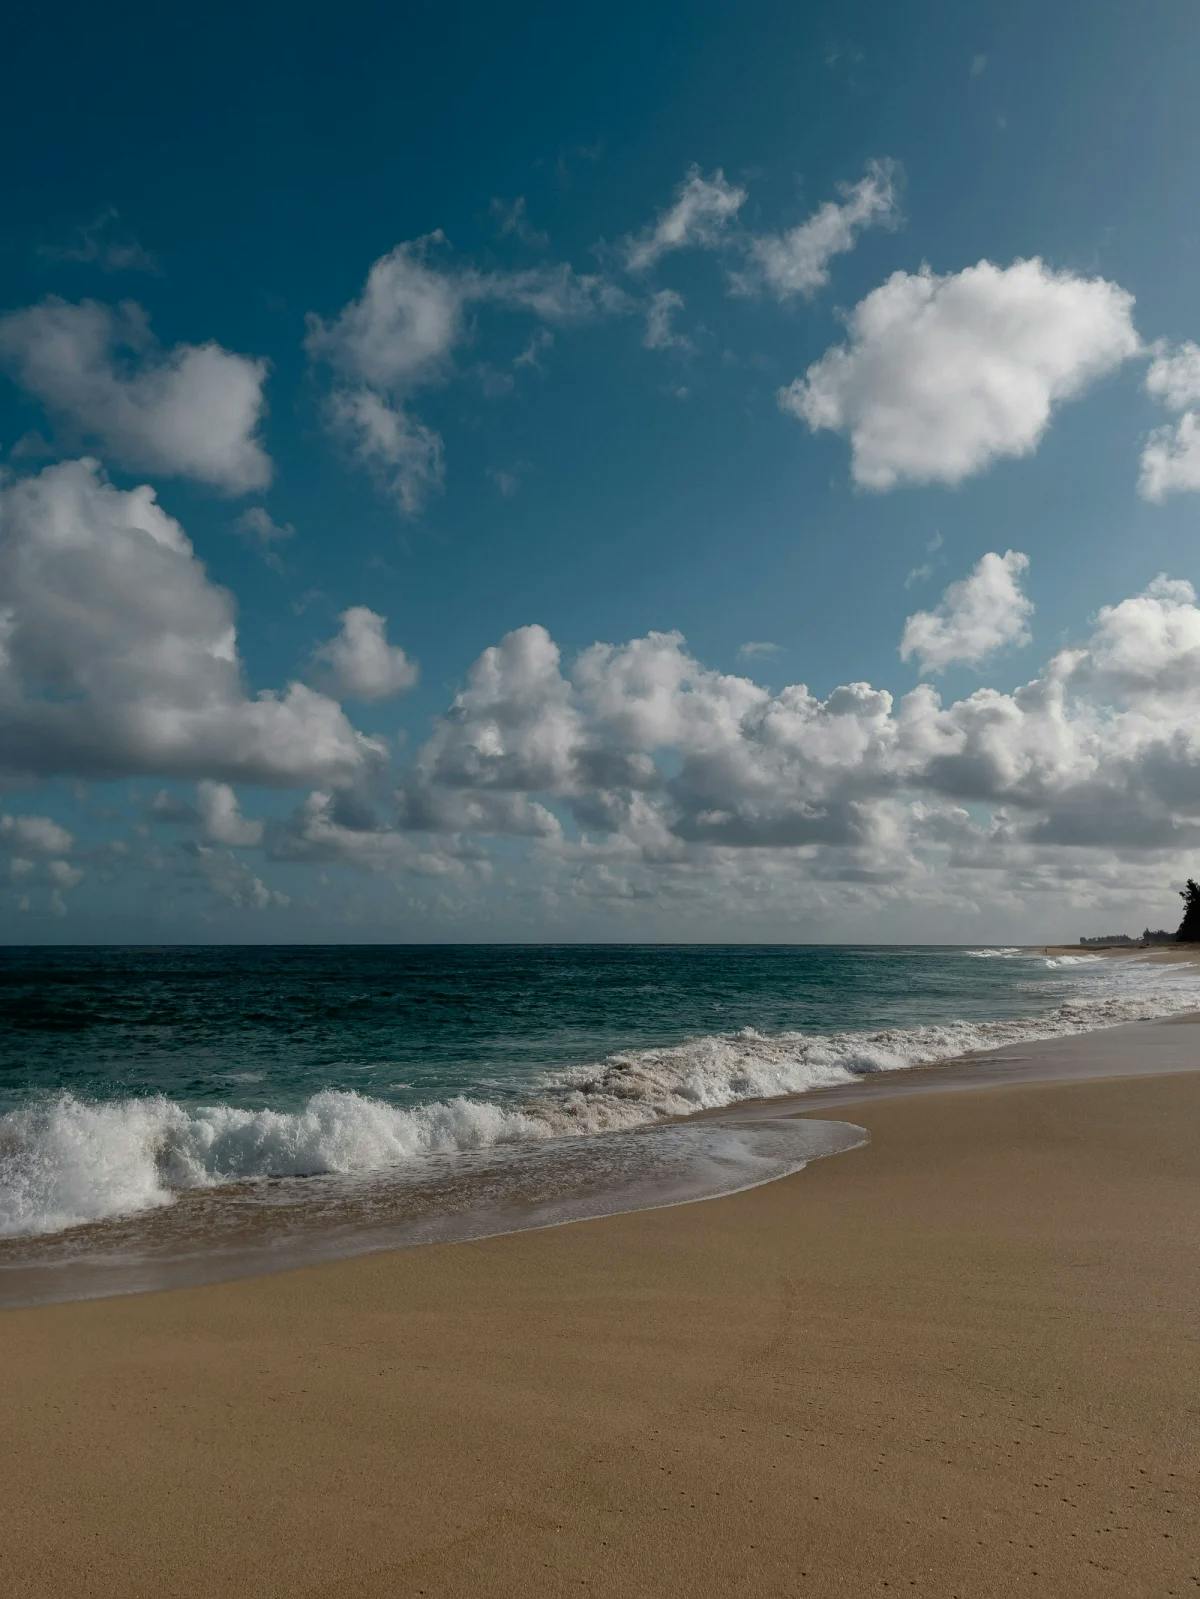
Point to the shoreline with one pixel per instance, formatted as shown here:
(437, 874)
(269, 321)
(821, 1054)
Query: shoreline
(960, 1358)
(190, 1243)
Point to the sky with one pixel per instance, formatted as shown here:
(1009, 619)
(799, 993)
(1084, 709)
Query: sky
(658, 473)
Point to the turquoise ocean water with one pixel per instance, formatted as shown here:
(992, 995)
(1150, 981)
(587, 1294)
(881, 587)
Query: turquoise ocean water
(170, 1107)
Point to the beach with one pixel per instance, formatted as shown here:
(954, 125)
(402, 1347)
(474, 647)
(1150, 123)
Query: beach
(959, 1360)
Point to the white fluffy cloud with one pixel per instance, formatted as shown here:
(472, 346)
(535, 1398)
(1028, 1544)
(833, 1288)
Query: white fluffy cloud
(635, 776)
(1173, 376)
(358, 661)
(699, 214)
(797, 261)
(942, 375)
(1171, 457)
(118, 655)
(399, 336)
(977, 616)
(189, 411)
(666, 765)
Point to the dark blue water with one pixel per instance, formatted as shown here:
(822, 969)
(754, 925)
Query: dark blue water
(257, 1026)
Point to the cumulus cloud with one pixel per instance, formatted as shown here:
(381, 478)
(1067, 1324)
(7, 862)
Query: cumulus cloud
(34, 835)
(31, 855)
(399, 336)
(192, 410)
(977, 616)
(1171, 457)
(700, 212)
(668, 766)
(221, 820)
(635, 775)
(119, 655)
(359, 663)
(942, 375)
(797, 262)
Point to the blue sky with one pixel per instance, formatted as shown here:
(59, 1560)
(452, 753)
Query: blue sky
(569, 408)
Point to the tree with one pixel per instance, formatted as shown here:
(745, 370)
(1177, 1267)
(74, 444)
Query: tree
(1189, 927)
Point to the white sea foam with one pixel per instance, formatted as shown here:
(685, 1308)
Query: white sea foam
(67, 1161)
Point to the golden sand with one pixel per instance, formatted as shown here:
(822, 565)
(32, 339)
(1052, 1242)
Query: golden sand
(962, 1361)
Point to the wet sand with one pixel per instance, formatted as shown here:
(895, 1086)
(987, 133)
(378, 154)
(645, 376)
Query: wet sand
(961, 1360)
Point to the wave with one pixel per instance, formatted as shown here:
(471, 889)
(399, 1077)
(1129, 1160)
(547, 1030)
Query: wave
(66, 1161)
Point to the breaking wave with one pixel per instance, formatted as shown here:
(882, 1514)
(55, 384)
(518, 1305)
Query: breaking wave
(65, 1161)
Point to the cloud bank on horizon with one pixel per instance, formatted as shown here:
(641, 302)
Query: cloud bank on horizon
(632, 771)
(620, 787)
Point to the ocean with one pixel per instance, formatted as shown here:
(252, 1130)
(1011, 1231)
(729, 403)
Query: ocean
(179, 1114)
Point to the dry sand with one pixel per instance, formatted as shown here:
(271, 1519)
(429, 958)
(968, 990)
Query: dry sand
(960, 1361)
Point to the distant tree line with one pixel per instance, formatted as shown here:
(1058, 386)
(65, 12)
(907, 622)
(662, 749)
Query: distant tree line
(1188, 931)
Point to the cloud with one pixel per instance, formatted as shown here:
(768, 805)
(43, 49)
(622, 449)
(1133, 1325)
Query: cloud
(667, 766)
(942, 375)
(255, 523)
(702, 209)
(512, 220)
(34, 835)
(102, 243)
(263, 533)
(754, 648)
(1173, 376)
(399, 336)
(797, 262)
(1171, 460)
(512, 726)
(119, 656)
(359, 663)
(923, 572)
(977, 616)
(406, 458)
(633, 775)
(402, 327)
(507, 480)
(659, 334)
(221, 821)
(1171, 457)
(228, 879)
(704, 215)
(192, 410)
(26, 845)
